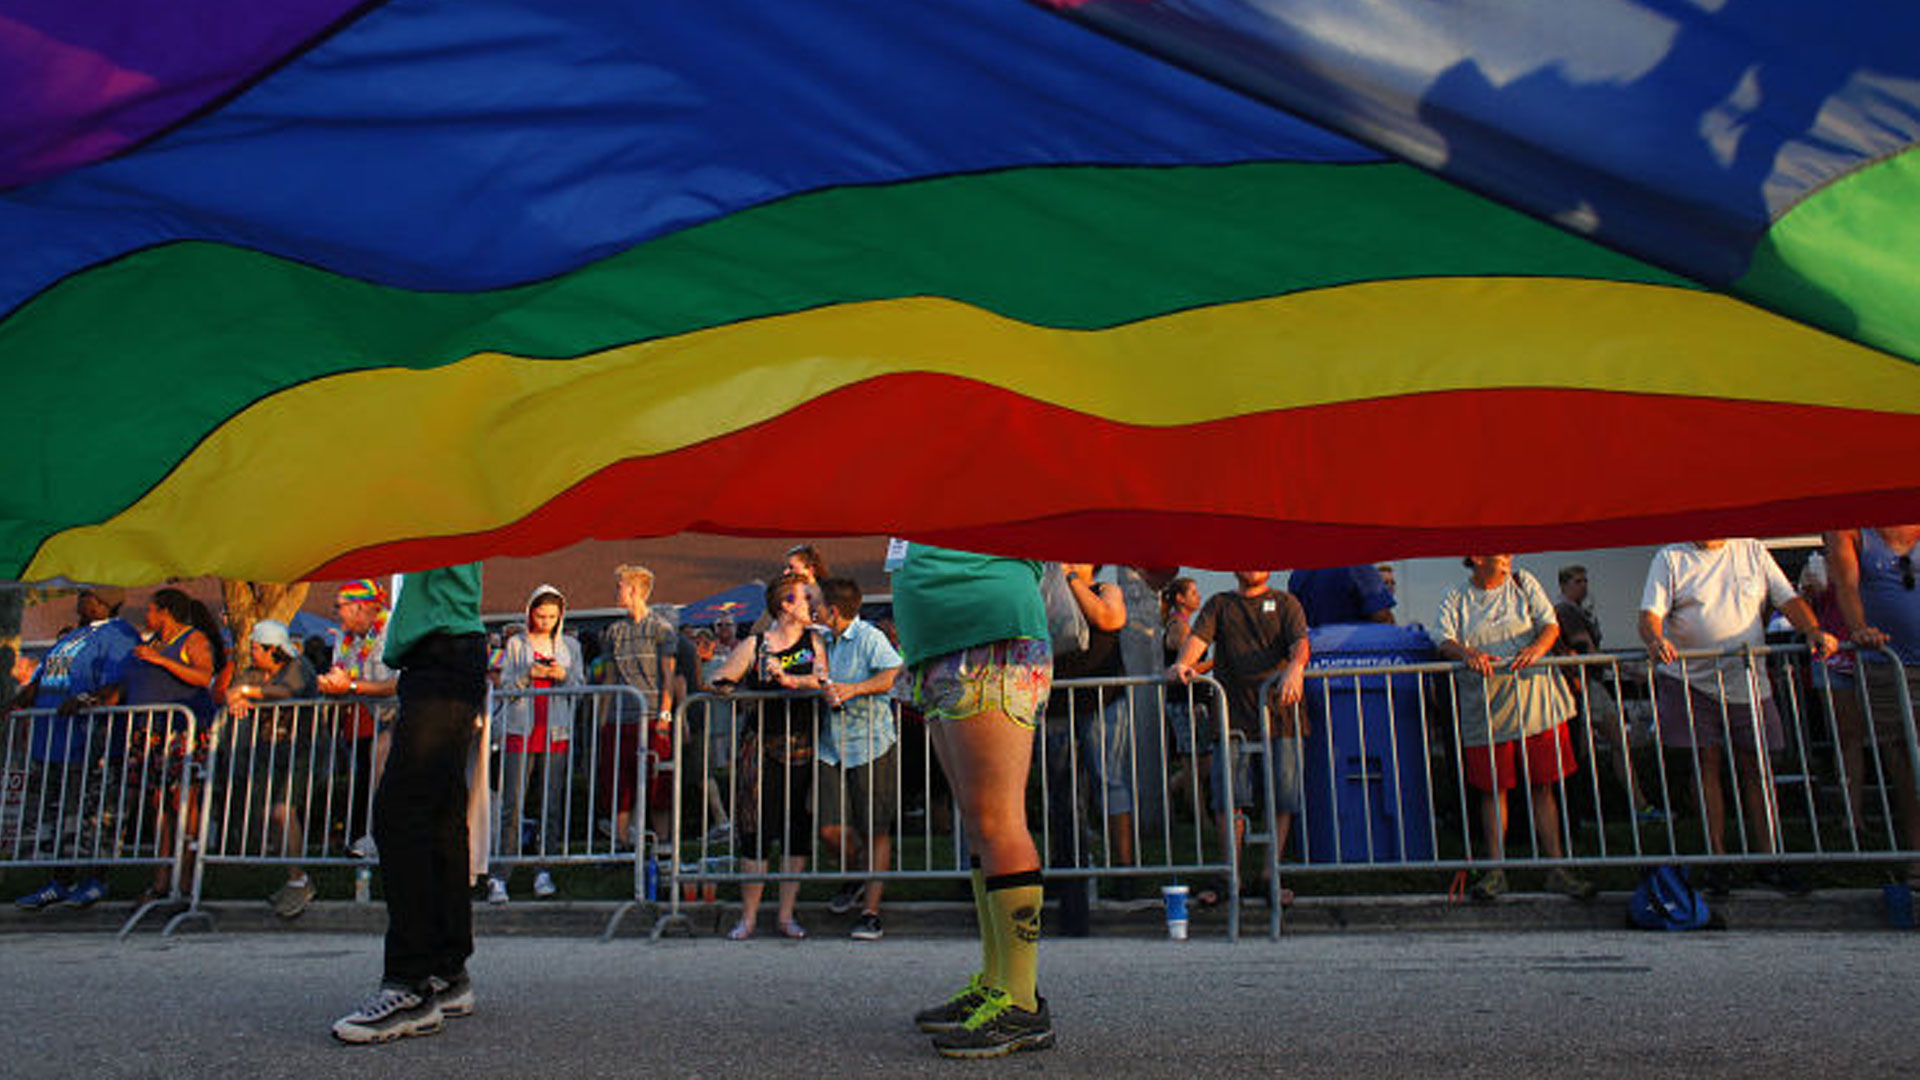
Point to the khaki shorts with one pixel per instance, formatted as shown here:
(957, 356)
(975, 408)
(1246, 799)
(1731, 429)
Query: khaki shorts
(865, 797)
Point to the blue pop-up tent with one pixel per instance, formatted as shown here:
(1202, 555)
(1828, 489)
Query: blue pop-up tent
(745, 603)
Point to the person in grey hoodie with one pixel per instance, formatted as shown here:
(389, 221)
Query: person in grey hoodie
(537, 741)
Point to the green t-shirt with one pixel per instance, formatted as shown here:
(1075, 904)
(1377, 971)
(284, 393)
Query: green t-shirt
(945, 601)
(445, 601)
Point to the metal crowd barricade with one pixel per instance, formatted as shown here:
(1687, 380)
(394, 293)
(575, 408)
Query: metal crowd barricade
(1384, 781)
(1089, 787)
(564, 808)
(291, 785)
(100, 788)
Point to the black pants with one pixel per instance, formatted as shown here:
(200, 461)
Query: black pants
(420, 809)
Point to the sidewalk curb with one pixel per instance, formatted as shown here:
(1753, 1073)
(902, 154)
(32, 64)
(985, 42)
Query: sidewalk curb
(1836, 909)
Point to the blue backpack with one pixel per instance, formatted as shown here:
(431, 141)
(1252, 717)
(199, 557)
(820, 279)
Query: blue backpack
(1666, 900)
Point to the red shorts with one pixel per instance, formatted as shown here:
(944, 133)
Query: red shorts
(1549, 758)
(620, 779)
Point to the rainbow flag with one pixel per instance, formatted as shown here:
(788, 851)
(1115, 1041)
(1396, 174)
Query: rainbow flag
(328, 289)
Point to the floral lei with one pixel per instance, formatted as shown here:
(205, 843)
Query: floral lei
(356, 650)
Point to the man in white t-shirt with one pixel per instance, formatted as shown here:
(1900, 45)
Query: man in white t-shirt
(1712, 596)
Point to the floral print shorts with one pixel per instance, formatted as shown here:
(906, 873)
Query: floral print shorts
(1011, 677)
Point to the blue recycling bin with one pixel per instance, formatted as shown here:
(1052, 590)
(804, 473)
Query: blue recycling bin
(1365, 768)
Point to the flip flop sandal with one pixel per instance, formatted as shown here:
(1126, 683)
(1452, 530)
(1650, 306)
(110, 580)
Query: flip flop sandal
(791, 929)
(740, 932)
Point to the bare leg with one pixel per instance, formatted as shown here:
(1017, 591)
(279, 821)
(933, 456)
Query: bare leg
(1120, 827)
(1546, 821)
(1752, 777)
(790, 890)
(292, 835)
(879, 857)
(987, 758)
(843, 843)
(1493, 823)
(750, 892)
(1853, 750)
(1712, 800)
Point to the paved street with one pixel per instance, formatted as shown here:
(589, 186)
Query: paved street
(1434, 1004)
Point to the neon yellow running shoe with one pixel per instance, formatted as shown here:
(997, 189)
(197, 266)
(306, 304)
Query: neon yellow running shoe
(997, 1028)
(951, 1013)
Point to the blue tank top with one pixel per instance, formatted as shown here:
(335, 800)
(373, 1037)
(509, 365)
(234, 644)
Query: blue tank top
(151, 684)
(1889, 603)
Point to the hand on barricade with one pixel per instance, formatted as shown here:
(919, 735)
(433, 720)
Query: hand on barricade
(1181, 673)
(1526, 657)
(1481, 662)
(1661, 651)
(1822, 644)
(335, 681)
(239, 703)
(1869, 637)
(1293, 687)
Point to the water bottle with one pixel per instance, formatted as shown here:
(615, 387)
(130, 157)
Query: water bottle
(363, 885)
(650, 881)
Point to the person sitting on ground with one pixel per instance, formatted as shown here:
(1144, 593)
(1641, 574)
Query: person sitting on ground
(359, 674)
(1257, 633)
(859, 790)
(276, 672)
(538, 739)
(1342, 594)
(773, 778)
(1873, 585)
(1711, 596)
(85, 669)
(1512, 716)
(1592, 695)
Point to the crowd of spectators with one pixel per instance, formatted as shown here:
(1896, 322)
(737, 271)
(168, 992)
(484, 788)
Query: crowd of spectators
(752, 762)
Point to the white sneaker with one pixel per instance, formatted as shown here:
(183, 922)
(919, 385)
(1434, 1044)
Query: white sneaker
(365, 848)
(391, 1013)
(543, 886)
(496, 891)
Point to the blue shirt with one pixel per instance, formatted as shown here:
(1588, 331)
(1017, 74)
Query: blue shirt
(84, 661)
(1341, 594)
(863, 728)
(1887, 602)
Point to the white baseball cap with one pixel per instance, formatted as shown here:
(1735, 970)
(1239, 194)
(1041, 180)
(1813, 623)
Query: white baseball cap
(273, 634)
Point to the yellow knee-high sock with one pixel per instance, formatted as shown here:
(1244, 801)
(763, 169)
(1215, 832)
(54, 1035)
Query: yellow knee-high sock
(992, 970)
(1014, 900)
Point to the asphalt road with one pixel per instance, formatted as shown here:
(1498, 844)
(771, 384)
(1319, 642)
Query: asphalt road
(1753, 1004)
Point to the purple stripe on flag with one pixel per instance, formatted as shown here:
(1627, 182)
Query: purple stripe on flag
(85, 79)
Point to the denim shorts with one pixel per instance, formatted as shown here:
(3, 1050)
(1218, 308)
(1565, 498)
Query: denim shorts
(1101, 749)
(1283, 759)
